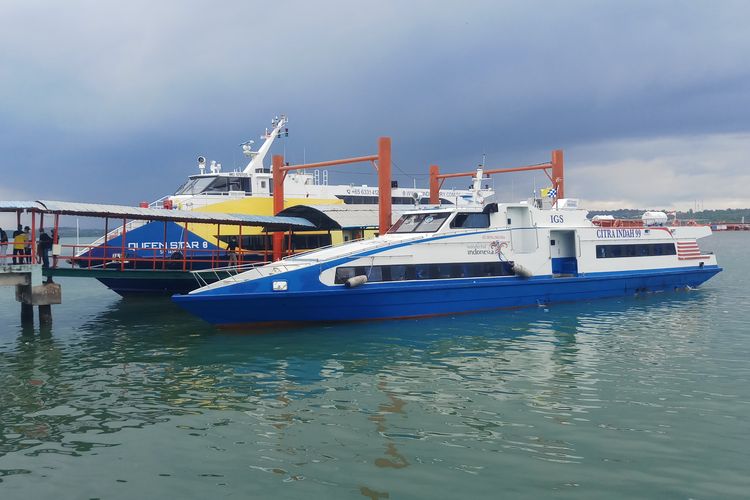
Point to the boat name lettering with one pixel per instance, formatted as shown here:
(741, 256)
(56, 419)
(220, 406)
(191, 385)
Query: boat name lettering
(171, 245)
(480, 251)
(481, 248)
(450, 193)
(618, 233)
(364, 191)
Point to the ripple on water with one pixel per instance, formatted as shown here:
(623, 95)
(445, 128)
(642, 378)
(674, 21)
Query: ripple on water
(628, 397)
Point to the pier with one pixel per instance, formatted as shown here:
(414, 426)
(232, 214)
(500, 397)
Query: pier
(31, 291)
(32, 272)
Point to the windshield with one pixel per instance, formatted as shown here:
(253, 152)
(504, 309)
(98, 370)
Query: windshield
(195, 186)
(419, 223)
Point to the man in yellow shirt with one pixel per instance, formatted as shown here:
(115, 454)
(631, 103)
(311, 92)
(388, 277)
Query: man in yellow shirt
(19, 244)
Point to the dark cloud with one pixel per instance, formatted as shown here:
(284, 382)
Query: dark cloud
(113, 103)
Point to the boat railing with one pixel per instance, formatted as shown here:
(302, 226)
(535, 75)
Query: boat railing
(132, 224)
(232, 273)
(158, 203)
(223, 273)
(616, 223)
(301, 256)
(117, 257)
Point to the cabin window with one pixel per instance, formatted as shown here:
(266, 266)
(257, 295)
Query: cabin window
(419, 223)
(634, 250)
(219, 185)
(439, 271)
(195, 185)
(263, 242)
(396, 200)
(343, 274)
(395, 273)
(471, 220)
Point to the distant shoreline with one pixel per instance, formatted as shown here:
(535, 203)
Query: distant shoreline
(728, 215)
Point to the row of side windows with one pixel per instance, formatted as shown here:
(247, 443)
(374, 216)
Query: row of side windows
(265, 242)
(634, 250)
(396, 200)
(425, 271)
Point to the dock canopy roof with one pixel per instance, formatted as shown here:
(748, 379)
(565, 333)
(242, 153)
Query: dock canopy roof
(333, 217)
(271, 223)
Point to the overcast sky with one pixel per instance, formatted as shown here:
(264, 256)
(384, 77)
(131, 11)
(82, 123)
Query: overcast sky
(113, 101)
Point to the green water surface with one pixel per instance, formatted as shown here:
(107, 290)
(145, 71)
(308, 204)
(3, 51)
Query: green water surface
(638, 397)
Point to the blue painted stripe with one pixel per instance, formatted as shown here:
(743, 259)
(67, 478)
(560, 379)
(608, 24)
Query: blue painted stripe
(433, 297)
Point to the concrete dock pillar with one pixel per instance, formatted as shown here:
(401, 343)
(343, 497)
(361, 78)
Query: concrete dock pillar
(24, 277)
(45, 314)
(27, 313)
(40, 295)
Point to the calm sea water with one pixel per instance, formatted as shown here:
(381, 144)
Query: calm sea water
(642, 397)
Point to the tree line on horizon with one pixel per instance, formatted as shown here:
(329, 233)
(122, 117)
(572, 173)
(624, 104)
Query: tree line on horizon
(725, 215)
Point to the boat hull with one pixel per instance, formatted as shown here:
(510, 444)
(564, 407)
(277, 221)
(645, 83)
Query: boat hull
(429, 298)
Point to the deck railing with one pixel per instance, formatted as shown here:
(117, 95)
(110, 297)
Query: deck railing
(156, 259)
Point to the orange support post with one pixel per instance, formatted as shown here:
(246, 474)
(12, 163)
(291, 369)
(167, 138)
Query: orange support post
(384, 183)
(556, 176)
(434, 185)
(122, 245)
(557, 173)
(56, 239)
(32, 243)
(184, 246)
(383, 158)
(278, 201)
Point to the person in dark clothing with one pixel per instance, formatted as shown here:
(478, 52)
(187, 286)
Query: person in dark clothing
(43, 247)
(232, 251)
(27, 250)
(3, 245)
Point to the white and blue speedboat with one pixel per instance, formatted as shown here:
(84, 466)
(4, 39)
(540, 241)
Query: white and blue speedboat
(458, 259)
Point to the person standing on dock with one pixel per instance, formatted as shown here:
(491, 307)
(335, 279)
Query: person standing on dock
(43, 247)
(3, 245)
(27, 250)
(232, 251)
(19, 243)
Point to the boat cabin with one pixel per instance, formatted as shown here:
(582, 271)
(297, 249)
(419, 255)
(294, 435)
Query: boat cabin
(216, 184)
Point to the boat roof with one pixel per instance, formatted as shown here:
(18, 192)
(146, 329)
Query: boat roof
(334, 217)
(137, 213)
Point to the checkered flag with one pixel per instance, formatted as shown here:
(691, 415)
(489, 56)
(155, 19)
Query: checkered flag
(552, 193)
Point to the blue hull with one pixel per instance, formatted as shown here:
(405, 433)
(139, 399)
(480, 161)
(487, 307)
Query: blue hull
(135, 286)
(427, 298)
